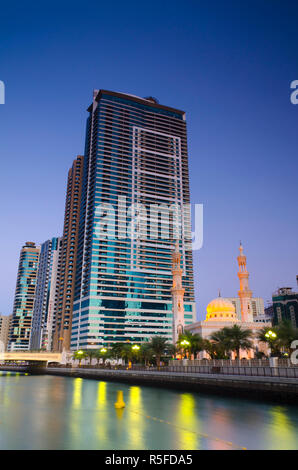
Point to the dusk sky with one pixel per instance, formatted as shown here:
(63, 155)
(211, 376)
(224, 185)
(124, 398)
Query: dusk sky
(228, 64)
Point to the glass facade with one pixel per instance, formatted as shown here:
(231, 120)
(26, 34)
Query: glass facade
(47, 285)
(285, 306)
(20, 328)
(135, 156)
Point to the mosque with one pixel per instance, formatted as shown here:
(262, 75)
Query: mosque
(221, 312)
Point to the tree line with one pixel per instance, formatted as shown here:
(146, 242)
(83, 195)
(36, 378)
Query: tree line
(222, 344)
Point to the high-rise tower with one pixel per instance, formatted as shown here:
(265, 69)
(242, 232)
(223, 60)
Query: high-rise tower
(5, 321)
(245, 294)
(69, 256)
(20, 327)
(46, 296)
(177, 295)
(135, 157)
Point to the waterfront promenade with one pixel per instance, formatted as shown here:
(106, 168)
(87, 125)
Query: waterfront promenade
(283, 389)
(220, 377)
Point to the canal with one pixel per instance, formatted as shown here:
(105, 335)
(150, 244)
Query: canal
(47, 412)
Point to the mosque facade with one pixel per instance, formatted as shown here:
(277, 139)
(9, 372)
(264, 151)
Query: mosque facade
(221, 312)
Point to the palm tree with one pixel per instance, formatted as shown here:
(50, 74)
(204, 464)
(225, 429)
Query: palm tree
(90, 353)
(116, 350)
(126, 352)
(220, 345)
(195, 343)
(273, 342)
(170, 350)
(286, 334)
(214, 349)
(146, 352)
(78, 356)
(238, 338)
(183, 345)
(158, 346)
(102, 353)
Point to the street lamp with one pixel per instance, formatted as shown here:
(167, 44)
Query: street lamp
(271, 336)
(136, 347)
(80, 354)
(103, 350)
(184, 344)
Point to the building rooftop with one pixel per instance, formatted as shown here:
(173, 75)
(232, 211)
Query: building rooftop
(150, 100)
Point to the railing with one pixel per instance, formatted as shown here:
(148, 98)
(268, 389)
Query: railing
(281, 362)
(251, 371)
(248, 371)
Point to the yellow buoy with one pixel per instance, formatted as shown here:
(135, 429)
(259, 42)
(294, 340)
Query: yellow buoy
(120, 402)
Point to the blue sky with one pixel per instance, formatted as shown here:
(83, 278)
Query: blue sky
(228, 64)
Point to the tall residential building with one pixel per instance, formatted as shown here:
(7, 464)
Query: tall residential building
(69, 256)
(269, 311)
(285, 306)
(135, 160)
(20, 328)
(5, 321)
(256, 306)
(46, 296)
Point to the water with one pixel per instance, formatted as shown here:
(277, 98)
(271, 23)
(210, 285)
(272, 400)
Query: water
(47, 412)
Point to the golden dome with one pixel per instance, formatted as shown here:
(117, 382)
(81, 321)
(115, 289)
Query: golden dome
(221, 310)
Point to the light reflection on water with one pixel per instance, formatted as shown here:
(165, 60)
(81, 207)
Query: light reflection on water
(43, 412)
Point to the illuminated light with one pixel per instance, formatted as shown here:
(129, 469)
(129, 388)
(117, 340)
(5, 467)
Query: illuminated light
(281, 432)
(186, 417)
(136, 347)
(101, 395)
(270, 334)
(103, 350)
(185, 343)
(77, 393)
(136, 420)
(101, 408)
(80, 352)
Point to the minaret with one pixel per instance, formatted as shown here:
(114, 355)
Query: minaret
(245, 294)
(177, 294)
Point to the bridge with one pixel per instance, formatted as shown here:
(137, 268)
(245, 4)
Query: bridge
(34, 361)
(31, 356)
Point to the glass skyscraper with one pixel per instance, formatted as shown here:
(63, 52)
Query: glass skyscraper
(20, 328)
(135, 167)
(46, 296)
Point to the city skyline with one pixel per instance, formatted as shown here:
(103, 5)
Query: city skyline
(149, 262)
(262, 152)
